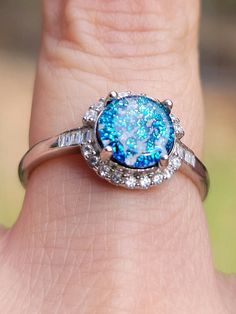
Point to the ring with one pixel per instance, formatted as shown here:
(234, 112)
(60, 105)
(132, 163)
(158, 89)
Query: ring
(130, 140)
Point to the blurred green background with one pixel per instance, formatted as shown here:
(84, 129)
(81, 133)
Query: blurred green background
(19, 42)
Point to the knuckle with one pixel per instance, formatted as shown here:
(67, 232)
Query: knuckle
(126, 28)
(100, 39)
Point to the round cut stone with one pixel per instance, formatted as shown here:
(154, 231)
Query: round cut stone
(130, 182)
(88, 151)
(175, 163)
(116, 177)
(158, 178)
(139, 130)
(145, 181)
(104, 170)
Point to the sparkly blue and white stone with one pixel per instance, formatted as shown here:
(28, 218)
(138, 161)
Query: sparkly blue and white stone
(139, 130)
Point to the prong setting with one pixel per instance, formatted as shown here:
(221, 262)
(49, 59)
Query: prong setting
(112, 95)
(106, 153)
(168, 103)
(163, 163)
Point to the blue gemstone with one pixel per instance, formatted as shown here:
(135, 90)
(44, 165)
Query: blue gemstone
(139, 130)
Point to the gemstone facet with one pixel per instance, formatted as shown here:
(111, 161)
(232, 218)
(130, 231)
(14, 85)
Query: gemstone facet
(130, 182)
(158, 178)
(138, 129)
(145, 182)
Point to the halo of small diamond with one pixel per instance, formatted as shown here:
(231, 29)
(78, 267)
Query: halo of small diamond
(118, 174)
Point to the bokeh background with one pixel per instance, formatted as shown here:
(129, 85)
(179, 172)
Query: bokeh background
(19, 42)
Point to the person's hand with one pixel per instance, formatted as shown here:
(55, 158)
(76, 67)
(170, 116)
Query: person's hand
(81, 245)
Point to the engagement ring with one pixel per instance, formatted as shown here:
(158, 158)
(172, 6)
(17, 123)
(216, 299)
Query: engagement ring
(130, 140)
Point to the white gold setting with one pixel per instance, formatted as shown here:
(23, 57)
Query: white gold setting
(121, 175)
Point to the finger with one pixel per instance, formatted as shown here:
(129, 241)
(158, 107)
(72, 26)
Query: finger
(227, 287)
(90, 48)
(136, 240)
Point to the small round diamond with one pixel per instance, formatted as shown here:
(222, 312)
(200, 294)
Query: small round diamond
(90, 115)
(158, 178)
(98, 106)
(174, 118)
(175, 162)
(116, 177)
(145, 181)
(130, 182)
(167, 173)
(88, 151)
(104, 170)
(179, 130)
(93, 160)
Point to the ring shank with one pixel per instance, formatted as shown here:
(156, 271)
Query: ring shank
(69, 142)
(39, 153)
(198, 175)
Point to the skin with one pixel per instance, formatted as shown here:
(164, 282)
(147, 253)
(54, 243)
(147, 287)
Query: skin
(81, 245)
